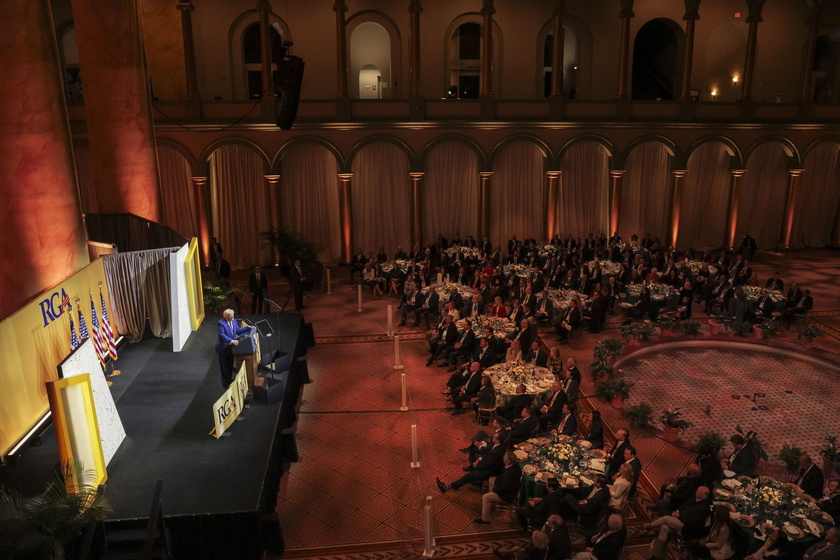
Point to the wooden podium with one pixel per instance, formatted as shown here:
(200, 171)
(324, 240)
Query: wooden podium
(248, 351)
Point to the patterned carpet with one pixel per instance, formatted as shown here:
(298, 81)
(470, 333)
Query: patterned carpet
(354, 494)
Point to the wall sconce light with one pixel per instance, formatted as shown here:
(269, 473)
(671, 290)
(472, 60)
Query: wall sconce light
(714, 94)
(735, 79)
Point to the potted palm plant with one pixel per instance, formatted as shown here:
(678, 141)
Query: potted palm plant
(639, 416)
(790, 456)
(808, 334)
(615, 391)
(717, 323)
(691, 327)
(666, 325)
(711, 440)
(768, 327)
(741, 328)
(673, 424)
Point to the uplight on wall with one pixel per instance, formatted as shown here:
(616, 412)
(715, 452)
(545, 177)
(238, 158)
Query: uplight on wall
(735, 80)
(714, 94)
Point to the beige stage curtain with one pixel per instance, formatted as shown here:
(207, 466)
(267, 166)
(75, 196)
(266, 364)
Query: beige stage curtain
(645, 192)
(584, 191)
(380, 198)
(84, 175)
(309, 197)
(761, 205)
(817, 197)
(705, 200)
(177, 192)
(239, 198)
(518, 193)
(139, 285)
(450, 192)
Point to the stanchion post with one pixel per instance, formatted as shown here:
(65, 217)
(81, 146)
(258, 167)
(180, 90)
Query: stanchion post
(359, 309)
(415, 462)
(397, 364)
(429, 544)
(329, 282)
(389, 321)
(404, 393)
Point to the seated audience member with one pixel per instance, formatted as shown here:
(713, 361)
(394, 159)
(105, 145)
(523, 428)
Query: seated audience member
(515, 404)
(504, 490)
(487, 465)
(596, 431)
(830, 502)
(357, 263)
(635, 464)
(536, 355)
(590, 509)
(775, 283)
(763, 307)
(568, 321)
(469, 390)
(826, 549)
(620, 488)
(536, 550)
(514, 353)
(485, 354)
(430, 305)
(810, 477)
(550, 412)
(482, 442)
(555, 361)
(524, 427)
(544, 309)
(486, 397)
(719, 544)
(463, 347)
(742, 460)
(616, 458)
(559, 539)
(571, 380)
(498, 309)
(607, 544)
(777, 546)
(445, 337)
(537, 510)
(567, 425)
(690, 520)
(800, 307)
(675, 494)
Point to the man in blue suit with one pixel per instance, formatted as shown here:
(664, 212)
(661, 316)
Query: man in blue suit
(227, 330)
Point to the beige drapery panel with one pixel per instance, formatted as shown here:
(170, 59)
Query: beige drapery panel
(84, 175)
(645, 192)
(518, 194)
(705, 199)
(239, 198)
(380, 195)
(139, 285)
(817, 198)
(177, 192)
(584, 191)
(761, 203)
(309, 197)
(450, 192)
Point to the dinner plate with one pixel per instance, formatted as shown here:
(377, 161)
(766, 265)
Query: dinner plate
(746, 521)
(520, 455)
(590, 473)
(524, 446)
(597, 453)
(530, 469)
(792, 487)
(563, 439)
(818, 528)
(793, 531)
(721, 493)
(541, 441)
(744, 479)
(821, 516)
(584, 444)
(571, 481)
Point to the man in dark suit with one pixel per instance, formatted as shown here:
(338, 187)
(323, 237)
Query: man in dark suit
(469, 390)
(775, 283)
(590, 509)
(296, 278)
(742, 461)
(513, 409)
(691, 519)
(608, 544)
(810, 477)
(830, 502)
(524, 427)
(801, 307)
(622, 442)
(567, 425)
(227, 329)
(222, 272)
(763, 307)
(536, 355)
(484, 467)
(673, 496)
(537, 511)
(446, 337)
(635, 464)
(462, 348)
(429, 306)
(504, 489)
(569, 321)
(826, 549)
(544, 309)
(357, 264)
(484, 353)
(551, 411)
(516, 312)
(258, 286)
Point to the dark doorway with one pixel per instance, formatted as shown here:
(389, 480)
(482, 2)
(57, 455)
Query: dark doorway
(656, 58)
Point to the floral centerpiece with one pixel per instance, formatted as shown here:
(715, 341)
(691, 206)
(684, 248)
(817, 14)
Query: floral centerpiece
(608, 268)
(695, 266)
(561, 298)
(506, 377)
(547, 250)
(561, 457)
(444, 290)
(769, 497)
(518, 269)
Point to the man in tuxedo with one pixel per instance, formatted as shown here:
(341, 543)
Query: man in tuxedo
(634, 463)
(567, 425)
(516, 404)
(536, 355)
(590, 509)
(258, 286)
(524, 427)
(296, 278)
(537, 511)
(674, 495)
(827, 549)
(742, 461)
(553, 408)
(545, 308)
(569, 321)
(691, 519)
(775, 283)
(484, 354)
(504, 489)
(469, 390)
(357, 264)
(622, 442)
(607, 544)
(484, 467)
(810, 477)
(227, 329)
(764, 307)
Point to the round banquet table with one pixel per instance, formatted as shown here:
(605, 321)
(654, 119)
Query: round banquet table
(502, 326)
(506, 377)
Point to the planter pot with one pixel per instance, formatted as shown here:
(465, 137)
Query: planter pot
(665, 332)
(670, 434)
(617, 402)
(715, 326)
(758, 332)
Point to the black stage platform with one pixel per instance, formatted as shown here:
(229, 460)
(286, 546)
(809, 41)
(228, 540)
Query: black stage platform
(217, 493)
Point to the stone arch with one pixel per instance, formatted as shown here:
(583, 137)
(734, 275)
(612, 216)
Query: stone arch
(182, 149)
(788, 146)
(204, 158)
(582, 59)
(646, 186)
(412, 159)
(537, 141)
(657, 60)
(469, 142)
(395, 70)
(609, 147)
(737, 159)
(277, 162)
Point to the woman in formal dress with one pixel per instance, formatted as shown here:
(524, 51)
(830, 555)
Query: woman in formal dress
(718, 546)
(369, 277)
(596, 431)
(514, 353)
(620, 488)
(555, 362)
(639, 310)
(498, 309)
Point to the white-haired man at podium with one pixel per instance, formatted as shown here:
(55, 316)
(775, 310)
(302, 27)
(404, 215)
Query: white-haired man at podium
(227, 329)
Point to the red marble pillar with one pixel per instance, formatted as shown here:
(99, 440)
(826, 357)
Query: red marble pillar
(691, 16)
(753, 19)
(199, 184)
(790, 207)
(734, 196)
(678, 176)
(40, 218)
(484, 191)
(616, 176)
(416, 209)
(345, 214)
(414, 47)
(553, 203)
(626, 14)
(340, 9)
(118, 107)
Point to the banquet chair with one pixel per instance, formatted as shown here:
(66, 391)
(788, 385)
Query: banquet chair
(485, 408)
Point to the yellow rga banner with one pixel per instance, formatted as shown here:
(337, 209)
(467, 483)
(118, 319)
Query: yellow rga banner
(230, 404)
(33, 341)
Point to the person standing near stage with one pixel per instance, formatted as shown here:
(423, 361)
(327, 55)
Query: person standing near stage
(258, 286)
(297, 278)
(227, 330)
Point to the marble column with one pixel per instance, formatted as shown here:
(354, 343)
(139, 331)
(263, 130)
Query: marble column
(557, 51)
(678, 177)
(553, 202)
(345, 215)
(340, 9)
(40, 218)
(486, 80)
(734, 196)
(272, 183)
(484, 192)
(186, 9)
(199, 184)
(264, 9)
(118, 107)
(790, 207)
(616, 177)
(414, 48)
(691, 16)
(626, 14)
(416, 208)
(753, 19)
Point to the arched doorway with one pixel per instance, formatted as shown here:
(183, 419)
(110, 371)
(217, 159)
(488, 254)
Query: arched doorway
(252, 57)
(370, 60)
(656, 60)
(569, 66)
(370, 82)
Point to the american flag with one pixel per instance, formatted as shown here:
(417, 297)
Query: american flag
(83, 332)
(97, 340)
(74, 340)
(107, 333)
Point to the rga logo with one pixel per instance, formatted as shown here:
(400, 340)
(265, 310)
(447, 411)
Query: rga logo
(227, 408)
(53, 307)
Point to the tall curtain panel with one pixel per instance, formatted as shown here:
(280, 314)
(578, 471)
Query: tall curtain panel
(177, 192)
(518, 194)
(309, 197)
(761, 205)
(584, 191)
(380, 196)
(84, 175)
(705, 200)
(818, 197)
(645, 192)
(450, 192)
(239, 200)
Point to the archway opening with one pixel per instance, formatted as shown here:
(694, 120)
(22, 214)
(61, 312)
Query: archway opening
(656, 60)
(252, 57)
(370, 60)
